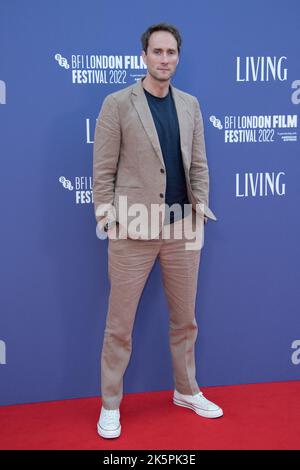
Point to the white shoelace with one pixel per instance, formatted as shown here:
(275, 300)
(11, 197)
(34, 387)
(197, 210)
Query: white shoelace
(110, 416)
(204, 401)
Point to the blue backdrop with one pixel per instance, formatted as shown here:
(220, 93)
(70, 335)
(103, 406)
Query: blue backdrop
(58, 61)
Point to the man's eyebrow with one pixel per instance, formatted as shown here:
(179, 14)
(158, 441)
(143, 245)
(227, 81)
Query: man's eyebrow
(160, 49)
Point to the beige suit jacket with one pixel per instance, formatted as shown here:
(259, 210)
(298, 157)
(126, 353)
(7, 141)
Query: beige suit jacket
(128, 160)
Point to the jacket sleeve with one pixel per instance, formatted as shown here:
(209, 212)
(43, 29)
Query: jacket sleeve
(106, 153)
(199, 173)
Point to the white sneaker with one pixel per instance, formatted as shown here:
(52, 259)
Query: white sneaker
(199, 404)
(109, 423)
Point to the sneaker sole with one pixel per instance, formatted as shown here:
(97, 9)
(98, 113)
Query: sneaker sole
(204, 413)
(108, 434)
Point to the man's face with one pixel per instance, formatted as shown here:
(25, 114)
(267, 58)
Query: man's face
(162, 55)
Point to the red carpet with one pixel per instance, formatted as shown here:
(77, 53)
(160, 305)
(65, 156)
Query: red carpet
(256, 416)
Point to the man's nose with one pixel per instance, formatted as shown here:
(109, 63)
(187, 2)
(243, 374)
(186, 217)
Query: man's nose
(164, 58)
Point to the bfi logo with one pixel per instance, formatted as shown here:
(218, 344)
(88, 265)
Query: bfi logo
(2, 352)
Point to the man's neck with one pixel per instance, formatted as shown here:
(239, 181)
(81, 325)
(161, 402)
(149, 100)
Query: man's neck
(156, 87)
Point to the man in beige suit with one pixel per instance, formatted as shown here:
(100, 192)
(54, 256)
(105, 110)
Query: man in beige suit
(149, 157)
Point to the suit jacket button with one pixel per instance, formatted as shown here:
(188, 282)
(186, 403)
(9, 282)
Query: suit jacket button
(162, 170)
(161, 195)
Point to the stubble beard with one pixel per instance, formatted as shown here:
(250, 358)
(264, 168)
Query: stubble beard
(159, 78)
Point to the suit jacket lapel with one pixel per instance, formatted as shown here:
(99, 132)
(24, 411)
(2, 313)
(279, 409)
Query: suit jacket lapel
(140, 102)
(141, 105)
(183, 121)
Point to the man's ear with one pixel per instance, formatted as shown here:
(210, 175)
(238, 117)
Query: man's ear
(144, 57)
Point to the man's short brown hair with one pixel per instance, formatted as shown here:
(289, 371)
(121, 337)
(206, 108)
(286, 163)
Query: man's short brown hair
(160, 27)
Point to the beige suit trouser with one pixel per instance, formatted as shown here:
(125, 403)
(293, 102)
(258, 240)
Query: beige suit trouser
(129, 265)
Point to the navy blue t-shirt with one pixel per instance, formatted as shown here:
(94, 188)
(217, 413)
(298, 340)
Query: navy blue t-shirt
(166, 122)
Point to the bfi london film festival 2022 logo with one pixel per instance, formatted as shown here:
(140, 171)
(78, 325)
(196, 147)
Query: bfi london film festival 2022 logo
(86, 69)
(261, 128)
(266, 129)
